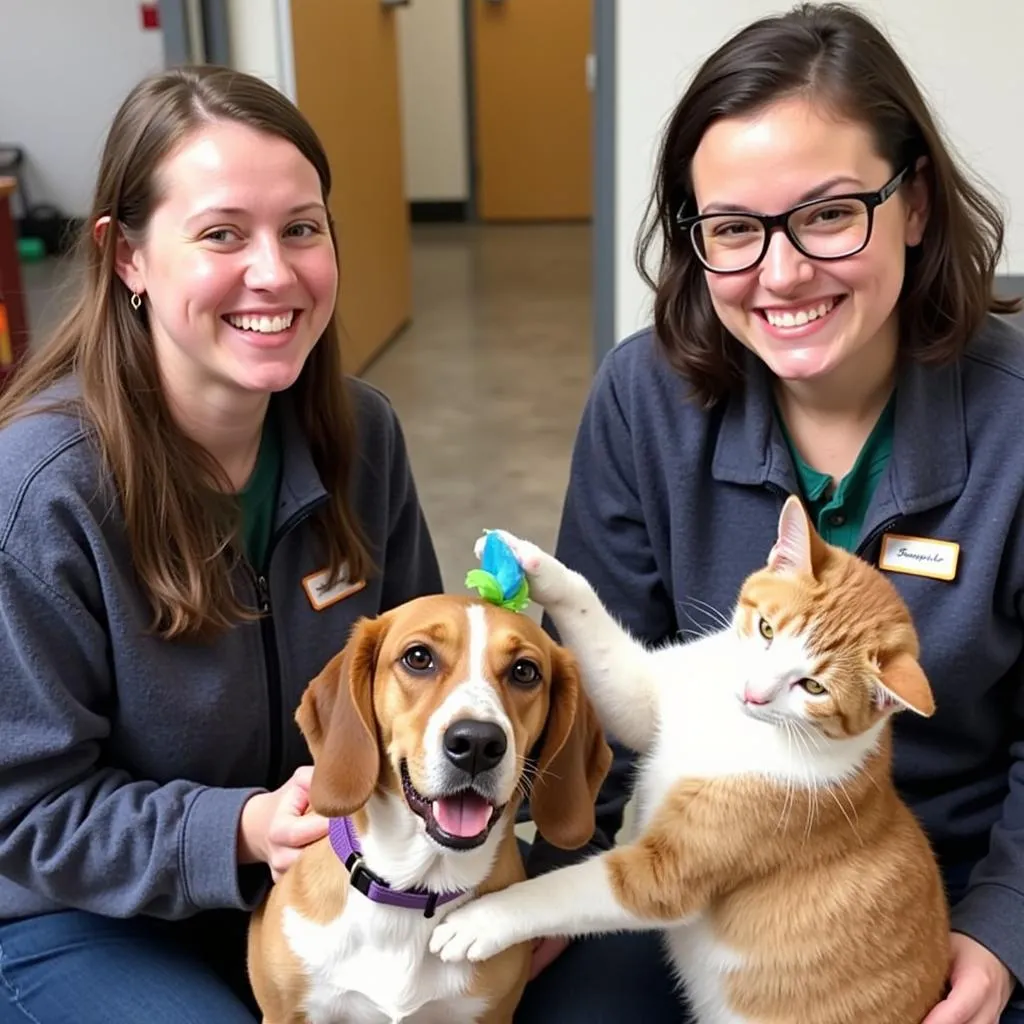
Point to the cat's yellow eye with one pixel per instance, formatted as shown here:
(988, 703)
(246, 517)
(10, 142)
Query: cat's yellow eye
(813, 687)
(765, 629)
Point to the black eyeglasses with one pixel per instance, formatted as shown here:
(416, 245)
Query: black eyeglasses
(823, 229)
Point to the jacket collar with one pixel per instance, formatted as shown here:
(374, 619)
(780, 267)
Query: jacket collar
(930, 419)
(301, 486)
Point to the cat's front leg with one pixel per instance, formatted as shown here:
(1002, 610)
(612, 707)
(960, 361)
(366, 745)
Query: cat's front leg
(576, 901)
(619, 674)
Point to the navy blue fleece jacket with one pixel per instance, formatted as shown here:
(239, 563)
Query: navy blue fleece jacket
(125, 759)
(670, 506)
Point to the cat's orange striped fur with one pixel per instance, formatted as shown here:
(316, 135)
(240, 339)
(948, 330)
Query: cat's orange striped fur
(792, 884)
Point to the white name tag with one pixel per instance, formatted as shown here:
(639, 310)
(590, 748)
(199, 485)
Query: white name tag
(919, 556)
(322, 593)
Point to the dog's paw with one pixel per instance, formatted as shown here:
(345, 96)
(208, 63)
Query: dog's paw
(471, 933)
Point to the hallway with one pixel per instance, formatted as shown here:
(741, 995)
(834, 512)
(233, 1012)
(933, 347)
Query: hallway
(488, 380)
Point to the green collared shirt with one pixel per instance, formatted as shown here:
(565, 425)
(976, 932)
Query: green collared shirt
(258, 499)
(838, 512)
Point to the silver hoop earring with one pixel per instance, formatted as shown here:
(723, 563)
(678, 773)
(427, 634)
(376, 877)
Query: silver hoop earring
(136, 301)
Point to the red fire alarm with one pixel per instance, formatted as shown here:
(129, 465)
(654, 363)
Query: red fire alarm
(150, 15)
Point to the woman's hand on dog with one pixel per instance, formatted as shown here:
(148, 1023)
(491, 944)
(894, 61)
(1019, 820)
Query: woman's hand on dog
(545, 951)
(274, 827)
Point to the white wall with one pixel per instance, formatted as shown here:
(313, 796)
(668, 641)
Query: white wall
(65, 67)
(433, 80)
(966, 57)
(260, 41)
(431, 75)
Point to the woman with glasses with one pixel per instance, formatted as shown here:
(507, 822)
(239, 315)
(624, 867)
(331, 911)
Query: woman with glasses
(825, 325)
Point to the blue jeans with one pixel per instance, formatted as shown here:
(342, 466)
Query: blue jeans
(74, 966)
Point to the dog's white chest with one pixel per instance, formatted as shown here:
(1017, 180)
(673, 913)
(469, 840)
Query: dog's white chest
(372, 965)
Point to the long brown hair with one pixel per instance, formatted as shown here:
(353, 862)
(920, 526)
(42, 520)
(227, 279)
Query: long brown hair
(181, 526)
(835, 55)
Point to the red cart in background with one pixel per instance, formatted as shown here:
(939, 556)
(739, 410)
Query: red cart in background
(13, 317)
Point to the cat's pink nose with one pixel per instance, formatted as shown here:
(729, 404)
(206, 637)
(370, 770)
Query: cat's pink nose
(753, 697)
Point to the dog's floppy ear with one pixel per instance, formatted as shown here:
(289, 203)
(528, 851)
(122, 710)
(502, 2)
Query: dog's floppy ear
(337, 719)
(573, 763)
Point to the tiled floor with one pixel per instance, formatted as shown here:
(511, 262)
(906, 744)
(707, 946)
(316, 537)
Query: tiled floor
(489, 379)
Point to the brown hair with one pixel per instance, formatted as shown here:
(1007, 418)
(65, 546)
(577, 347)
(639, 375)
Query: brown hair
(180, 523)
(836, 55)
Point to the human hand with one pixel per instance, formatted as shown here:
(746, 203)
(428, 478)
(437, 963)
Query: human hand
(274, 827)
(980, 986)
(545, 951)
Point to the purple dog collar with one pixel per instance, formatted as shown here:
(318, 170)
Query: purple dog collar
(345, 844)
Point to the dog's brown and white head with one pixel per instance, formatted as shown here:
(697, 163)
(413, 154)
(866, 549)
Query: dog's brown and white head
(440, 702)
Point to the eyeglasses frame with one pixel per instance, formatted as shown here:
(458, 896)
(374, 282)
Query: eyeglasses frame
(771, 223)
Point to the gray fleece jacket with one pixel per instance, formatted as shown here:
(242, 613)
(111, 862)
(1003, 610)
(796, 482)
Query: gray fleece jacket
(125, 759)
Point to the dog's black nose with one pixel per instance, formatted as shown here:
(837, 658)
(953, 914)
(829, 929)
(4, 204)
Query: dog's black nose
(474, 746)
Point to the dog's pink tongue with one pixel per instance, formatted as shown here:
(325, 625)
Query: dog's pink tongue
(465, 815)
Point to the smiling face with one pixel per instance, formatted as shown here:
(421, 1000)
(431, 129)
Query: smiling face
(460, 697)
(237, 266)
(808, 319)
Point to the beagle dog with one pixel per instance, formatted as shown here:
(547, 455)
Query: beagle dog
(421, 732)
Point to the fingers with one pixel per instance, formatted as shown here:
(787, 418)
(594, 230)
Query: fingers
(288, 836)
(964, 1002)
(293, 825)
(544, 952)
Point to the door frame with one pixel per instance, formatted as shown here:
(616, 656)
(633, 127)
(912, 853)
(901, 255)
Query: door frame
(472, 214)
(604, 238)
(183, 35)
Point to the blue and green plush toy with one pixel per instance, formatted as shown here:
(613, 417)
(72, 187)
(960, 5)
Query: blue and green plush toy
(500, 578)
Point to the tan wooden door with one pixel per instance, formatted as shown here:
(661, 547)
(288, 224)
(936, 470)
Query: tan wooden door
(346, 78)
(532, 109)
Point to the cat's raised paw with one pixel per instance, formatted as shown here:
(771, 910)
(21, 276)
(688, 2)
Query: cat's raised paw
(528, 555)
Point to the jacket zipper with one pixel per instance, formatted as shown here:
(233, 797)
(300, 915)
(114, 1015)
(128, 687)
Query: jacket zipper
(272, 661)
(273, 666)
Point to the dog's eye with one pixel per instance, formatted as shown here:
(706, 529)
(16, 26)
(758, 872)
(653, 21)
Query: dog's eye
(525, 673)
(418, 659)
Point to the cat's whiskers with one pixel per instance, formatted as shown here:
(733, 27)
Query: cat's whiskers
(807, 772)
(718, 619)
(787, 802)
(818, 742)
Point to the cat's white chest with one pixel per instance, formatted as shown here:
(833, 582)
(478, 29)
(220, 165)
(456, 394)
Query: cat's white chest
(703, 732)
(372, 965)
(703, 964)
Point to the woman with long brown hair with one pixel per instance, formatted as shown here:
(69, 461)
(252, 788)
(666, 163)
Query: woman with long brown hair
(195, 506)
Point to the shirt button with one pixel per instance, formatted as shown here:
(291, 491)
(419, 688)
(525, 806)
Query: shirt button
(836, 519)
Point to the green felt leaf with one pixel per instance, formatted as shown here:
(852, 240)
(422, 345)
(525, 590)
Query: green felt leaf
(520, 599)
(485, 585)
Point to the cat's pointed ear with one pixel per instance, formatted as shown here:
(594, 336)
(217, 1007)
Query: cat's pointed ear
(904, 686)
(793, 551)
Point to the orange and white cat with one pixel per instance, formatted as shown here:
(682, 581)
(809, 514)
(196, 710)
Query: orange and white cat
(792, 884)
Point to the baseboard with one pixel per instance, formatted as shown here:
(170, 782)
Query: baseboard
(438, 211)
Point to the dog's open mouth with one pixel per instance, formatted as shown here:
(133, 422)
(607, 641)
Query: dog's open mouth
(460, 820)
